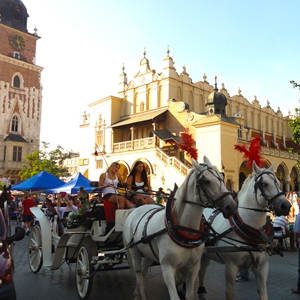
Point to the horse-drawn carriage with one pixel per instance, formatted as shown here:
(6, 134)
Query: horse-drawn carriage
(172, 237)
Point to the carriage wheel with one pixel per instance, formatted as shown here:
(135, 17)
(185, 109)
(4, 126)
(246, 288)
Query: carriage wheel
(35, 249)
(84, 269)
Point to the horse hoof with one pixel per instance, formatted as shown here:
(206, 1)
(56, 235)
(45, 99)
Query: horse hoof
(202, 290)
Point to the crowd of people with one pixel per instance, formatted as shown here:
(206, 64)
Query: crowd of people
(136, 191)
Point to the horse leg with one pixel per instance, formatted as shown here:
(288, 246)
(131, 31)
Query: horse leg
(168, 273)
(261, 274)
(135, 261)
(230, 273)
(204, 265)
(192, 282)
(146, 264)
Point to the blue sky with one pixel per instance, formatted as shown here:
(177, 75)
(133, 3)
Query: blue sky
(251, 45)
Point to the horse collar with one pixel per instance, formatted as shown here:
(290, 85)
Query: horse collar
(251, 235)
(183, 236)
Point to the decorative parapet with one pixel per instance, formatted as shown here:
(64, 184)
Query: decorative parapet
(280, 153)
(138, 144)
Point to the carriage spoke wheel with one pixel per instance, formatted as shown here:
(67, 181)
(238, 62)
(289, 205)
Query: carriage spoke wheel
(35, 253)
(84, 270)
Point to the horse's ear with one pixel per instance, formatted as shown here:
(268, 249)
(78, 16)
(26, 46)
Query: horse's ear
(207, 161)
(195, 164)
(271, 169)
(255, 167)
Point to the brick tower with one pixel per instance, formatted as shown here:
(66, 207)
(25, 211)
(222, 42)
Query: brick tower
(20, 89)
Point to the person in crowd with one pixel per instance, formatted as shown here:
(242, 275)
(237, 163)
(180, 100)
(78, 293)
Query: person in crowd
(5, 196)
(294, 210)
(27, 216)
(83, 200)
(138, 183)
(109, 182)
(297, 234)
(68, 207)
(280, 225)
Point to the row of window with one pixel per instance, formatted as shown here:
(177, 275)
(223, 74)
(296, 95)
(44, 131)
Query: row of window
(16, 155)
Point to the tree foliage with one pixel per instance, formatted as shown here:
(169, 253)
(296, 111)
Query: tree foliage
(295, 123)
(46, 160)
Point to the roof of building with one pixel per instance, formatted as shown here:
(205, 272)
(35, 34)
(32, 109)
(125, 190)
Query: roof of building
(15, 138)
(141, 117)
(166, 135)
(14, 14)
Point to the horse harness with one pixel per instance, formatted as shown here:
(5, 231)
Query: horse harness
(183, 236)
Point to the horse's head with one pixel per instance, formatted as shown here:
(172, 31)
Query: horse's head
(267, 185)
(211, 189)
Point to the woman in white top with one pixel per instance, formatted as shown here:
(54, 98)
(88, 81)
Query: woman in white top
(138, 183)
(109, 181)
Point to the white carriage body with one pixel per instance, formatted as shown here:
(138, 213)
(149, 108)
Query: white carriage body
(72, 237)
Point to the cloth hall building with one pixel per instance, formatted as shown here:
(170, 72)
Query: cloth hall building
(145, 120)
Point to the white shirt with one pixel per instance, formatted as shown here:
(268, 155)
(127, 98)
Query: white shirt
(110, 189)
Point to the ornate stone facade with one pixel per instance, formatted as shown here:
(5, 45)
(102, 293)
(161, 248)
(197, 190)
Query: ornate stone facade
(20, 90)
(152, 109)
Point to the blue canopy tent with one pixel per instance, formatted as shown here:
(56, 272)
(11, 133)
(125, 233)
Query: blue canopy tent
(73, 186)
(39, 182)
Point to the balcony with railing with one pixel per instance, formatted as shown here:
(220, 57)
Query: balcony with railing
(138, 144)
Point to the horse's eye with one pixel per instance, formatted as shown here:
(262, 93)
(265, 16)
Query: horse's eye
(264, 184)
(205, 181)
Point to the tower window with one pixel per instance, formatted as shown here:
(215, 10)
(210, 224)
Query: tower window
(17, 82)
(14, 124)
(17, 153)
(16, 55)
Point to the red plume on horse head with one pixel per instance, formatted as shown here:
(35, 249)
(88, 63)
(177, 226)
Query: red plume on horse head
(253, 154)
(187, 143)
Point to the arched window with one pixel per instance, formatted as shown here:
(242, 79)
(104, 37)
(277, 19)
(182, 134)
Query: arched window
(17, 82)
(14, 124)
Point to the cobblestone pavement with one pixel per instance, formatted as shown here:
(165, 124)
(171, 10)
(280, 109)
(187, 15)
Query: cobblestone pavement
(119, 284)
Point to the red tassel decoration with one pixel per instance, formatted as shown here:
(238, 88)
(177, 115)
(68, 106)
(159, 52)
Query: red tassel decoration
(253, 154)
(187, 144)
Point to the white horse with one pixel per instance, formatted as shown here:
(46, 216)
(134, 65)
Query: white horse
(259, 194)
(171, 236)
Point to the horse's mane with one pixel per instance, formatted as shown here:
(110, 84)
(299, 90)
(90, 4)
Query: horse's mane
(247, 183)
(181, 193)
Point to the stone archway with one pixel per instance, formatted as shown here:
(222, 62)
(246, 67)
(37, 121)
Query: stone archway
(281, 174)
(243, 173)
(295, 179)
(124, 170)
(148, 166)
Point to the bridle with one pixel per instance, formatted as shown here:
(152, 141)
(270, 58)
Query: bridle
(208, 200)
(258, 185)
